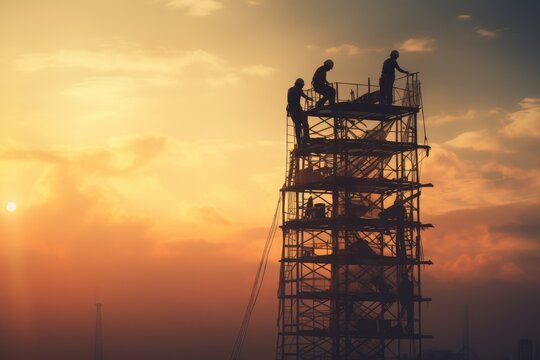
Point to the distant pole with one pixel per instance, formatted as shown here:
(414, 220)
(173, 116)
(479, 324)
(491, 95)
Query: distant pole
(98, 346)
(466, 340)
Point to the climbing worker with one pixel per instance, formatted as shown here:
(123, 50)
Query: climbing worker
(321, 85)
(388, 75)
(297, 114)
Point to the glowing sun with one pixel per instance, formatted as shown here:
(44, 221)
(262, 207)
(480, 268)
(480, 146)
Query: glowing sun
(11, 206)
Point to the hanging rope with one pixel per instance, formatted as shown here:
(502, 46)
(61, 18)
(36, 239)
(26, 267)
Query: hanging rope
(257, 285)
(426, 141)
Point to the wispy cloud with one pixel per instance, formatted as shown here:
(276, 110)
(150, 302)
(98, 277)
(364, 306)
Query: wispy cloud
(464, 17)
(451, 118)
(489, 244)
(258, 70)
(155, 69)
(253, 2)
(123, 156)
(223, 80)
(196, 7)
(524, 122)
(108, 89)
(424, 44)
(348, 49)
(465, 182)
(488, 34)
(172, 62)
(480, 140)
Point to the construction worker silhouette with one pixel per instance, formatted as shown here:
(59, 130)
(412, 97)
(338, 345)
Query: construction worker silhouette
(388, 76)
(321, 85)
(297, 114)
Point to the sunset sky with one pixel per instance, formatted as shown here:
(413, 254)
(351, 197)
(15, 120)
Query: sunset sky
(143, 142)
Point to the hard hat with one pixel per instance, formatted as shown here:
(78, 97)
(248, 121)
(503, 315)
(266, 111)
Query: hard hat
(299, 81)
(394, 53)
(329, 63)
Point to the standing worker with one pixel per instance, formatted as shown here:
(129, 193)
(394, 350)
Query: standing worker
(298, 115)
(321, 85)
(388, 75)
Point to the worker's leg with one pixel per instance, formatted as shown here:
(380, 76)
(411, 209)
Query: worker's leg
(320, 90)
(331, 94)
(327, 94)
(305, 127)
(297, 121)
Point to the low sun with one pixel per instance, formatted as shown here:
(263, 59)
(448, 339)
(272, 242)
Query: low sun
(11, 206)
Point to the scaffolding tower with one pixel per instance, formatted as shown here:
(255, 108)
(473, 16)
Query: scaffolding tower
(350, 273)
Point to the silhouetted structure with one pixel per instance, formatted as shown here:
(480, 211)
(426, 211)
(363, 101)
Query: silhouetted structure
(98, 346)
(350, 277)
(525, 349)
(467, 351)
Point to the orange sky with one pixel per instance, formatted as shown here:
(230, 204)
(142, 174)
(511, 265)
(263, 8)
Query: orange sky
(144, 144)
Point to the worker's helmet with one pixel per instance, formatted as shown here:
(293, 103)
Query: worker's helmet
(329, 63)
(299, 81)
(394, 54)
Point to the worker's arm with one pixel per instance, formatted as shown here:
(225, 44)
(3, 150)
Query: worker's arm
(401, 70)
(303, 94)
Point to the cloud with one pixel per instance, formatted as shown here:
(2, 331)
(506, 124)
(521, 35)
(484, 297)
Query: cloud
(123, 156)
(488, 34)
(223, 80)
(253, 2)
(464, 182)
(480, 140)
(526, 225)
(348, 49)
(108, 89)
(196, 7)
(425, 44)
(525, 122)
(490, 243)
(447, 118)
(258, 70)
(171, 62)
(128, 69)
(464, 17)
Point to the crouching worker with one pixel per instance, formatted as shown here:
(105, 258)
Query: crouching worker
(322, 86)
(297, 114)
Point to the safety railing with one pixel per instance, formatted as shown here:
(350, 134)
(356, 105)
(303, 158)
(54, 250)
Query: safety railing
(405, 92)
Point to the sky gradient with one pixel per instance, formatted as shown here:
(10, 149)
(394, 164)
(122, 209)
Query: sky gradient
(144, 144)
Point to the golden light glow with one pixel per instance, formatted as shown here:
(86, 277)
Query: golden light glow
(11, 206)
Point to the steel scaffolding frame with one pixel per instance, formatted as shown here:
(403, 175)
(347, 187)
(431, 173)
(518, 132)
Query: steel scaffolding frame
(350, 276)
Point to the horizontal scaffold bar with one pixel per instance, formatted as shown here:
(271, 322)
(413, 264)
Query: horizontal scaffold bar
(359, 111)
(364, 147)
(397, 334)
(350, 223)
(351, 296)
(355, 184)
(356, 259)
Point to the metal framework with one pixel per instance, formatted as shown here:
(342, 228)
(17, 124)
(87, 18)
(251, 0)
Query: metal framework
(350, 276)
